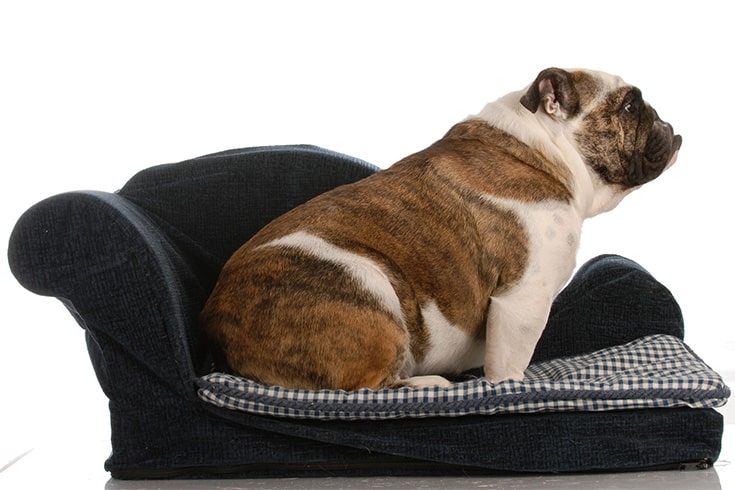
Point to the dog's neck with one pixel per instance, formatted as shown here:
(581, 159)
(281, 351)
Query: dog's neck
(555, 138)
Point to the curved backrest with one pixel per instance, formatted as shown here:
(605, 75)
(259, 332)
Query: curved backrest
(217, 202)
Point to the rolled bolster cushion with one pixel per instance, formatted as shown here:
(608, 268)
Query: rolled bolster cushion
(611, 300)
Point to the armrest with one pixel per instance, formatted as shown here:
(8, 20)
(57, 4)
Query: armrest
(125, 283)
(135, 267)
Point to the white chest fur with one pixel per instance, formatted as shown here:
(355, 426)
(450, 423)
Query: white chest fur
(553, 230)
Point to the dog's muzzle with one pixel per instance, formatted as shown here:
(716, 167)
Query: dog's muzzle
(659, 154)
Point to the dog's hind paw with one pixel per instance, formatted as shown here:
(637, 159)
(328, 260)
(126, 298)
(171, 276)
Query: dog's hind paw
(423, 382)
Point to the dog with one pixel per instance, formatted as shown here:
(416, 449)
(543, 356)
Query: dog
(449, 259)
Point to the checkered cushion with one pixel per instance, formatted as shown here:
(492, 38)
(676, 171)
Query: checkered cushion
(651, 372)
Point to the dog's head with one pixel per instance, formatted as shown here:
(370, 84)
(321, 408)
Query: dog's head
(618, 134)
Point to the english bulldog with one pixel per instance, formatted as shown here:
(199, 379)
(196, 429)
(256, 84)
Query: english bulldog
(449, 259)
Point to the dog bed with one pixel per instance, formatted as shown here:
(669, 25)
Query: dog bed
(612, 385)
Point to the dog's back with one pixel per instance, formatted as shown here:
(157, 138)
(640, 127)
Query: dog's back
(354, 288)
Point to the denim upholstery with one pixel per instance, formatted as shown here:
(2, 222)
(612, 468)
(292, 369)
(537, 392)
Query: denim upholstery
(135, 267)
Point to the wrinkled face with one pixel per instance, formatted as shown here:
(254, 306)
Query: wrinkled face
(622, 138)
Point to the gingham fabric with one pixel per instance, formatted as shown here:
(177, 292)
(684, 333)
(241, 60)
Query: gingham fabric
(651, 372)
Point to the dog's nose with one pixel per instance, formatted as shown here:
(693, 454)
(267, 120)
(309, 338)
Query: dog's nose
(677, 142)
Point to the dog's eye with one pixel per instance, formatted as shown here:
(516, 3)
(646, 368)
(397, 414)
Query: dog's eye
(631, 103)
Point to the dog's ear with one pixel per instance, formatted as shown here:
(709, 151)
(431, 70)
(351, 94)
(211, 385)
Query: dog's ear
(554, 88)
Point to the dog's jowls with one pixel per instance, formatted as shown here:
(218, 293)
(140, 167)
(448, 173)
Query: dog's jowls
(448, 260)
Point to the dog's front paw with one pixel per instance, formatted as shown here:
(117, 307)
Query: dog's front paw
(495, 374)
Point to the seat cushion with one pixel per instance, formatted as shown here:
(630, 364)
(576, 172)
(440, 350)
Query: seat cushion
(658, 371)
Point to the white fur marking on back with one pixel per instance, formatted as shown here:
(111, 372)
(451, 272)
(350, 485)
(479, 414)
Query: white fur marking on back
(362, 269)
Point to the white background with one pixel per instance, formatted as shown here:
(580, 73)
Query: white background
(92, 92)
